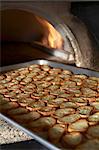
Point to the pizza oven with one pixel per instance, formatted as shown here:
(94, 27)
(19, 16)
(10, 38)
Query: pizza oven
(49, 24)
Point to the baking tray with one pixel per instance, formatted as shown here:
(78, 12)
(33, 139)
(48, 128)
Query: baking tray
(75, 70)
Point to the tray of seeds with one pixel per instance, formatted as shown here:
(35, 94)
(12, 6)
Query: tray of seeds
(56, 104)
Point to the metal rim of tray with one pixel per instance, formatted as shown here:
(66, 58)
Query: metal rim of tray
(74, 69)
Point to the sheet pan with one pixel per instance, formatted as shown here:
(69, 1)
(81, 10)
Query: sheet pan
(75, 70)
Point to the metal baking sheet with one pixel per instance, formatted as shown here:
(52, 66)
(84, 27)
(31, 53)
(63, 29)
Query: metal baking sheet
(75, 70)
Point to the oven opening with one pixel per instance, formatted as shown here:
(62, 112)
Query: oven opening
(27, 36)
(19, 25)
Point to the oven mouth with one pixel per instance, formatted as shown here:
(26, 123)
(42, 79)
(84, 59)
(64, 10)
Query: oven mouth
(24, 26)
(17, 23)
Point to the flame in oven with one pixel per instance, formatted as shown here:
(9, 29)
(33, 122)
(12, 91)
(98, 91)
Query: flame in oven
(51, 37)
